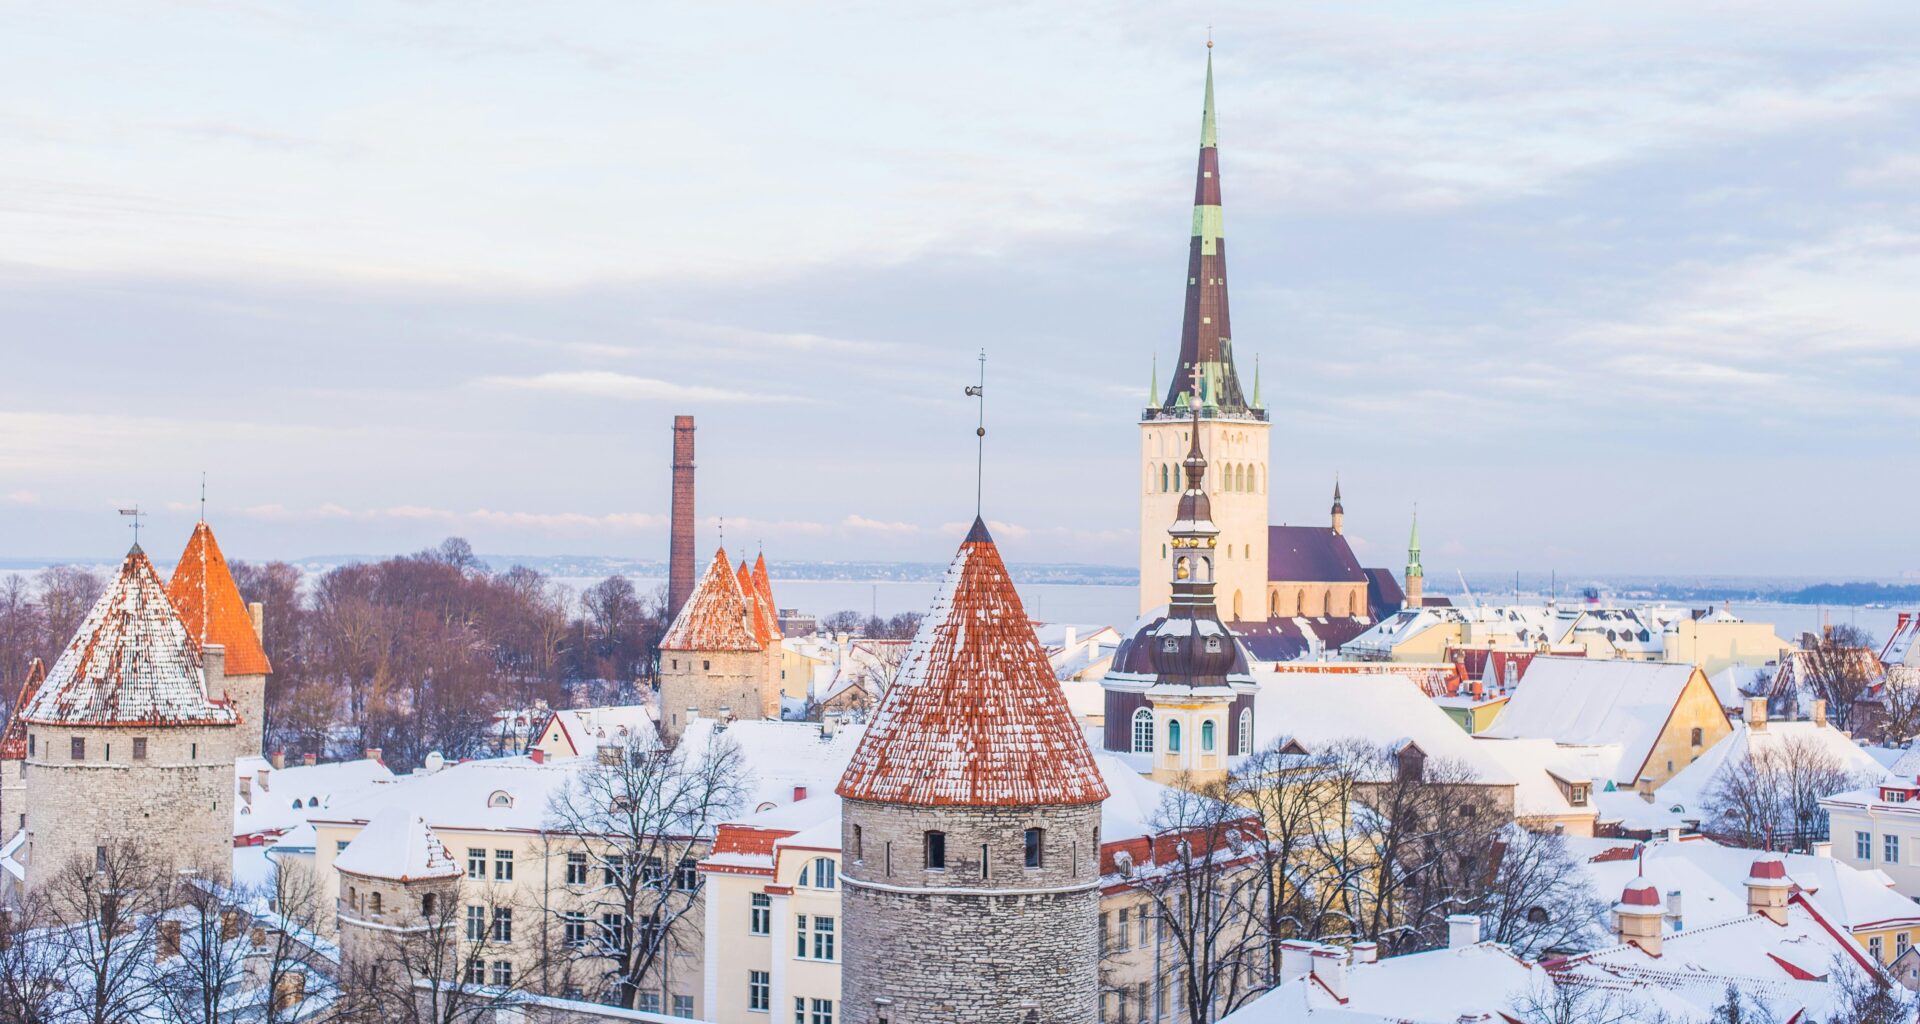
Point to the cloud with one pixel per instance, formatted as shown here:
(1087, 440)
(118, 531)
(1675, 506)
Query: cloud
(860, 523)
(623, 386)
(21, 498)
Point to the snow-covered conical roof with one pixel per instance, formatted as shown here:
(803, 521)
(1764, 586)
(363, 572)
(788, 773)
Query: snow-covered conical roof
(397, 844)
(203, 592)
(13, 742)
(133, 662)
(976, 717)
(715, 617)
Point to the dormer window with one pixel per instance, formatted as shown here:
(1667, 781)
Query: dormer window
(500, 798)
(1213, 645)
(1170, 645)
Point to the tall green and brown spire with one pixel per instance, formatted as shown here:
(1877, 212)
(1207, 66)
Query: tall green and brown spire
(1206, 336)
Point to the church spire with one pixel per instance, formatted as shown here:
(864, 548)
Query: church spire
(1206, 338)
(1339, 510)
(1416, 576)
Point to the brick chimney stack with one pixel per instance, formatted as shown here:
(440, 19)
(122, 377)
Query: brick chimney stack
(680, 533)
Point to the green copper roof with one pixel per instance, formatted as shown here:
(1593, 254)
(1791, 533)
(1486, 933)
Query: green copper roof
(1413, 548)
(1207, 136)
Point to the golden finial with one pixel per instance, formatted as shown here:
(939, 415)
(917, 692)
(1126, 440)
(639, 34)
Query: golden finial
(1209, 37)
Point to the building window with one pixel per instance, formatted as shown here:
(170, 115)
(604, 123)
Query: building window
(502, 973)
(503, 865)
(683, 1006)
(936, 851)
(1246, 731)
(374, 902)
(1035, 844)
(819, 874)
(503, 924)
(760, 914)
(340, 846)
(800, 936)
(822, 1012)
(857, 844)
(1206, 736)
(139, 748)
(428, 904)
(614, 870)
(1891, 849)
(575, 925)
(649, 1002)
(1173, 737)
(476, 971)
(686, 875)
(476, 924)
(1697, 737)
(652, 870)
(1900, 943)
(476, 863)
(613, 931)
(1143, 731)
(823, 938)
(759, 989)
(77, 749)
(1876, 949)
(1863, 846)
(1122, 934)
(576, 869)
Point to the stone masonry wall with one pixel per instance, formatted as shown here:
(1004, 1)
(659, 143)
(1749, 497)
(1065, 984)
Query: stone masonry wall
(1007, 945)
(177, 802)
(249, 695)
(13, 799)
(710, 681)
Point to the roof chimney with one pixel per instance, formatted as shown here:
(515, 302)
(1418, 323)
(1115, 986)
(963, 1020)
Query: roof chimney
(1767, 888)
(257, 614)
(680, 528)
(1462, 930)
(309, 760)
(1329, 965)
(279, 759)
(1638, 916)
(1819, 712)
(799, 793)
(372, 753)
(1366, 952)
(539, 756)
(1757, 714)
(1296, 959)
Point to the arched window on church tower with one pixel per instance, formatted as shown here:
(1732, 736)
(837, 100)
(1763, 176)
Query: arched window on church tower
(1245, 745)
(1143, 731)
(1173, 737)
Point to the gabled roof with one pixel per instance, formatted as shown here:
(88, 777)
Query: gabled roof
(1311, 554)
(715, 617)
(13, 742)
(203, 592)
(397, 844)
(975, 716)
(1589, 702)
(133, 662)
(1318, 710)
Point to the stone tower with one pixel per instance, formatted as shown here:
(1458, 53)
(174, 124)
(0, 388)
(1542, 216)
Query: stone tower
(396, 879)
(1180, 689)
(680, 527)
(128, 738)
(1232, 431)
(970, 827)
(1416, 576)
(203, 592)
(712, 663)
(13, 756)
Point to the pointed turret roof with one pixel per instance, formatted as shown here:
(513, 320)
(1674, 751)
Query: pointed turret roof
(716, 616)
(763, 591)
(397, 845)
(760, 614)
(975, 717)
(13, 742)
(1413, 546)
(1337, 507)
(133, 662)
(203, 592)
(1206, 334)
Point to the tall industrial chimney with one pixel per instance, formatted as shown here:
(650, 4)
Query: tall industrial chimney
(680, 533)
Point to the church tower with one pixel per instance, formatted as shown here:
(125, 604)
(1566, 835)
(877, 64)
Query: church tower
(1232, 431)
(1416, 576)
(970, 826)
(1339, 510)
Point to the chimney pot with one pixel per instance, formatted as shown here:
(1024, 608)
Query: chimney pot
(1329, 966)
(1366, 952)
(309, 759)
(799, 793)
(1819, 712)
(371, 753)
(257, 615)
(279, 759)
(1462, 930)
(1757, 713)
(1296, 959)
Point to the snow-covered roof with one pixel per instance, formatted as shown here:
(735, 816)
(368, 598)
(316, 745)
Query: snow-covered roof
(1442, 986)
(132, 663)
(271, 800)
(1320, 708)
(1900, 648)
(975, 716)
(715, 617)
(1689, 788)
(1591, 702)
(13, 740)
(587, 728)
(1731, 683)
(1536, 763)
(780, 756)
(397, 844)
(204, 594)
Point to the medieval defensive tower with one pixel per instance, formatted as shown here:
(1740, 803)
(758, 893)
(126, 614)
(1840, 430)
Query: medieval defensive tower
(204, 594)
(971, 825)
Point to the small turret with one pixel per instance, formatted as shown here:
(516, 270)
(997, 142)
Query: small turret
(1639, 915)
(1768, 888)
(1339, 510)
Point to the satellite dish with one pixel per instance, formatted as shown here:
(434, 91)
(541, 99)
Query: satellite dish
(435, 762)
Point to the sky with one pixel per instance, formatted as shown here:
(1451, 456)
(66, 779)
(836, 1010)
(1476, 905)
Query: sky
(1613, 286)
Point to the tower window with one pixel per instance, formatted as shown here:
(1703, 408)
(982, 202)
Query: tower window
(78, 749)
(139, 748)
(1035, 846)
(1206, 736)
(1246, 731)
(1143, 731)
(1173, 737)
(936, 851)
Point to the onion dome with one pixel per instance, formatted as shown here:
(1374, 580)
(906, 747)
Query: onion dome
(716, 616)
(133, 662)
(203, 592)
(976, 717)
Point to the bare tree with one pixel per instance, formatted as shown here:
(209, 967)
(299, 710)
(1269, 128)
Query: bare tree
(1896, 704)
(1838, 666)
(1294, 794)
(1869, 996)
(291, 965)
(104, 913)
(1773, 795)
(644, 814)
(437, 972)
(1539, 900)
(32, 990)
(201, 954)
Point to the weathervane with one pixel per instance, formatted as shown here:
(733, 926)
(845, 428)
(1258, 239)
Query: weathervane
(979, 391)
(135, 514)
(203, 495)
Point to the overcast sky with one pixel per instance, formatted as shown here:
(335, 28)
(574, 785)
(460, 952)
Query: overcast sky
(1620, 286)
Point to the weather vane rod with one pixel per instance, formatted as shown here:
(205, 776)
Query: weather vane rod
(979, 391)
(135, 514)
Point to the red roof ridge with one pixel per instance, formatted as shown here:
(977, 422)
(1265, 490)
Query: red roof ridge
(975, 717)
(203, 591)
(716, 616)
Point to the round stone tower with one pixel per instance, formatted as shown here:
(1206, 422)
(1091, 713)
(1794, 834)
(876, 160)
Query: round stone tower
(203, 592)
(396, 879)
(971, 826)
(124, 743)
(712, 662)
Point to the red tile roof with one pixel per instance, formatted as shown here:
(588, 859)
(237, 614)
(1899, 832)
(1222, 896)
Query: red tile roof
(766, 626)
(13, 742)
(975, 717)
(715, 617)
(133, 663)
(203, 592)
(763, 586)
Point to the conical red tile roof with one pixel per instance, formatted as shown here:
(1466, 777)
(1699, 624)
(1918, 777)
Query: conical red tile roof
(757, 616)
(203, 592)
(763, 588)
(133, 662)
(715, 617)
(13, 742)
(976, 717)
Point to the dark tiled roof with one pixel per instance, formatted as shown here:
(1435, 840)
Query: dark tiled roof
(1311, 554)
(1384, 596)
(1135, 653)
(1286, 639)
